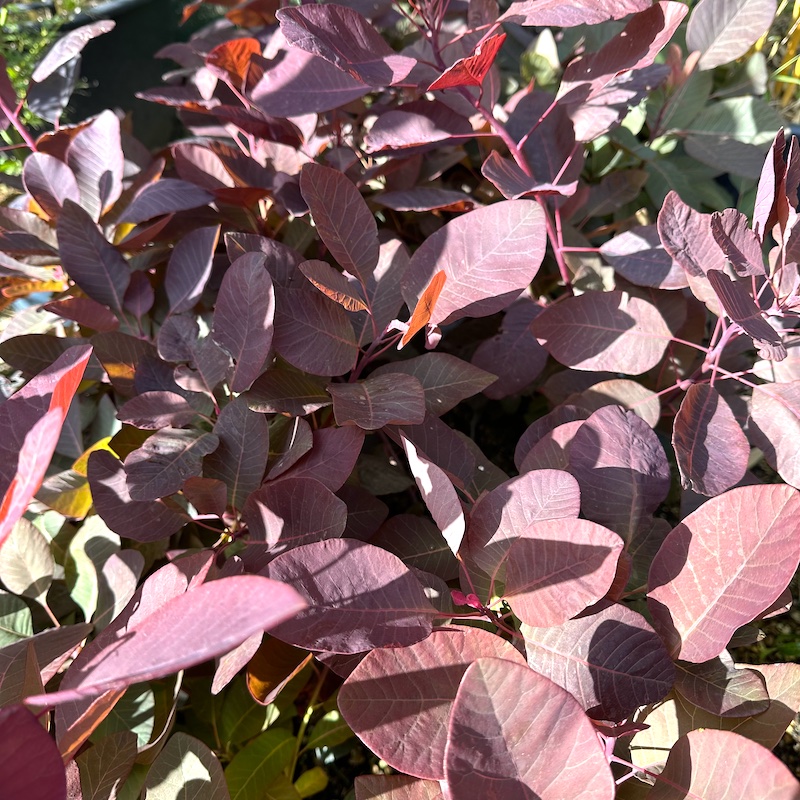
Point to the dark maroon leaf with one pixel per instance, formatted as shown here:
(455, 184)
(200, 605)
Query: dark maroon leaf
(212, 367)
(177, 338)
(346, 39)
(621, 468)
(292, 512)
(583, 12)
(68, 46)
(427, 198)
(165, 196)
(387, 399)
(401, 715)
(722, 566)
(717, 686)
(243, 317)
(207, 495)
(446, 380)
(513, 183)
(139, 296)
(30, 764)
(204, 622)
(639, 257)
(166, 459)
(95, 157)
(739, 305)
(555, 569)
(341, 217)
(552, 450)
(471, 70)
(313, 333)
(120, 354)
(439, 495)
(542, 426)
(299, 83)
(283, 390)
(282, 261)
(365, 512)
(710, 446)
(359, 597)
(85, 312)
(155, 410)
(290, 438)
(723, 766)
(513, 733)
(333, 456)
(49, 182)
(142, 521)
(738, 242)
(485, 269)
(419, 543)
(604, 331)
(241, 458)
(333, 284)
(34, 352)
(608, 658)
(687, 237)
(513, 354)
(501, 516)
(91, 261)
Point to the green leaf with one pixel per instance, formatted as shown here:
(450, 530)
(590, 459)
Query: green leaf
(134, 712)
(186, 768)
(242, 718)
(281, 789)
(26, 563)
(329, 731)
(311, 782)
(258, 765)
(15, 619)
(87, 552)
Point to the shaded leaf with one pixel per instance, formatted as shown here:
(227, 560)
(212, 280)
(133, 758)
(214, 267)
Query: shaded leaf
(333, 456)
(165, 196)
(105, 766)
(186, 765)
(387, 399)
(333, 284)
(774, 422)
(723, 565)
(68, 46)
(49, 182)
(155, 410)
(189, 267)
(740, 244)
(255, 767)
(639, 257)
(272, 666)
(396, 787)
(26, 563)
(284, 390)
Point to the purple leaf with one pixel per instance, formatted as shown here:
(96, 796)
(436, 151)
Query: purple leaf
(344, 222)
(774, 426)
(427, 198)
(91, 261)
(722, 765)
(30, 764)
(86, 312)
(204, 622)
(207, 495)
(332, 458)
(556, 569)
(485, 269)
(621, 468)
(724, 30)
(499, 518)
(177, 338)
(710, 446)
(513, 354)
(608, 658)
(416, 123)
(333, 284)
(538, 429)
(165, 196)
(547, 13)
(299, 83)
(402, 716)
(639, 257)
(243, 317)
(359, 597)
(346, 39)
(396, 787)
(142, 521)
(284, 390)
(387, 399)
(290, 438)
(166, 459)
(513, 183)
(313, 333)
(604, 331)
(738, 242)
(687, 237)
(155, 410)
(139, 296)
(722, 566)
(631, 395)
(49, 182)
(240, 460)
(68, 46)
(439, 495)
(365, 512)
(282, 261)
(718, 687)
(120, 354)
(446, 380)
(513, 733)
(419, 543)
(95, 157)
(771, 203)
(552, 450)
(292, 512)
(739, 305)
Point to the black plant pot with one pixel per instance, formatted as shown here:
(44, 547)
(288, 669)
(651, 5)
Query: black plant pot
(121, 63)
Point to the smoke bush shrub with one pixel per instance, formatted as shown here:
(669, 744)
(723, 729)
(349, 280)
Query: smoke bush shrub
(262, 511)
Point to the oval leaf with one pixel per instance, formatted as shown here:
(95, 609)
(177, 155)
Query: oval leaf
(388, 399)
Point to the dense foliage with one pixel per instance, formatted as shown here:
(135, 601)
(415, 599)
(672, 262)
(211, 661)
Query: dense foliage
(277, 378)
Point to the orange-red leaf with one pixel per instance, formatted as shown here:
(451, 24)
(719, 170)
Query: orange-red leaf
(471, 71)
(424, 308)
(230, 60)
